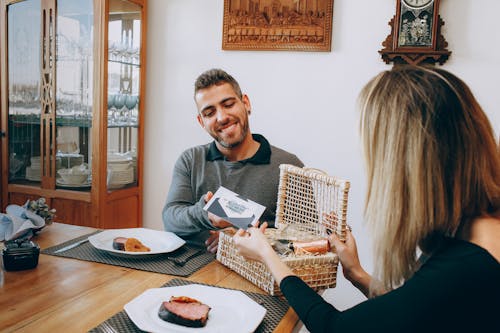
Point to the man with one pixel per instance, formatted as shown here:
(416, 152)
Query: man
(237, 159)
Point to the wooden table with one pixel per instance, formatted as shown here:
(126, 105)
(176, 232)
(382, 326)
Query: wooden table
(69, 295)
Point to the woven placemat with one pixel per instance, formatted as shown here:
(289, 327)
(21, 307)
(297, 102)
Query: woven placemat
(155, 263)
(276, 308)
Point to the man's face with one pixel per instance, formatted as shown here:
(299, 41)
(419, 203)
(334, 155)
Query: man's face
(223, 114)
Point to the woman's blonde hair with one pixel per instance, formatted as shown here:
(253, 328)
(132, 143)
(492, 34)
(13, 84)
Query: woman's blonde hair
(432, 164)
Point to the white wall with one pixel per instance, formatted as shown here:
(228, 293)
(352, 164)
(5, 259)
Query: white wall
(301, 101)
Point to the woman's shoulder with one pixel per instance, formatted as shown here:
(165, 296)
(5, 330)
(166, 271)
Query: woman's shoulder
(459, 257)
(485, 233)
(460, 265)
(459, 279)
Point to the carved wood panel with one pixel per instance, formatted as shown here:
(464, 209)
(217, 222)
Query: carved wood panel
(298, 25)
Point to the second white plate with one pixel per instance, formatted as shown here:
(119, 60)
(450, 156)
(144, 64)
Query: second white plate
(231, 310)
(158, 241)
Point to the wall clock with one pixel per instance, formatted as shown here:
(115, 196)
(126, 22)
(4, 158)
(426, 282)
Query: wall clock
(415, 36)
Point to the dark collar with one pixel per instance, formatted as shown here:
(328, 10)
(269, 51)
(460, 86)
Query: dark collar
(262, 156)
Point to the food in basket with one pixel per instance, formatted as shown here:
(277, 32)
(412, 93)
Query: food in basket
(309, 247)
(185, 311)
(130, 244)
(318, 246)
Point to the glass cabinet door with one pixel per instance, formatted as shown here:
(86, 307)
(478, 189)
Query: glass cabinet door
(71, 110)
(74, 69)
(124, 40)
(24, 91)
(50, 102)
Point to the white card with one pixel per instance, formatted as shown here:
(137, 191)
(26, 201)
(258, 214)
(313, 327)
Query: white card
(237, 210)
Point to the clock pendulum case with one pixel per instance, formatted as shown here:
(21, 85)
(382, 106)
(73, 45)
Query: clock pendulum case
(415, 36)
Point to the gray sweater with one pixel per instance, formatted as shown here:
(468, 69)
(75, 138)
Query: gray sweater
(203, 168)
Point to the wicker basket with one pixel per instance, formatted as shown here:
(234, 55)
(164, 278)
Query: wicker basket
(310, 205)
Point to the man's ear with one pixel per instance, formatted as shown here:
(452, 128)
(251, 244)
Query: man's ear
(200, 120)
(246, 102)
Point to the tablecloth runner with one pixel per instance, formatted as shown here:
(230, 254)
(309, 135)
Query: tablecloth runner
(155, 263)
(276, 308)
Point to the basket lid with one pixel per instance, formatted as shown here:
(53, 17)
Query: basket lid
(311, 200)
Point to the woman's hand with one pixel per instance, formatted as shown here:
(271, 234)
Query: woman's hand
(252, 243)
(351, 266)
(348, 254)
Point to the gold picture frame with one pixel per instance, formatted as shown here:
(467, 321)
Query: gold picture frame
(286, 25)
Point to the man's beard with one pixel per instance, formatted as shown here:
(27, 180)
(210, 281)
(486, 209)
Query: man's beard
(228, 145)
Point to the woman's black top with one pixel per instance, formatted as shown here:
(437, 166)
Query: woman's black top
(456, 290)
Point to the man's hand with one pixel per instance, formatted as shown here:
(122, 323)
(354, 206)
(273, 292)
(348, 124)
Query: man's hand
(212, 241)
(214, 219)
(218, 222)
(208, 196)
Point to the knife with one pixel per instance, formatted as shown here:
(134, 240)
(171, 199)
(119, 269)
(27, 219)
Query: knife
(72, 246)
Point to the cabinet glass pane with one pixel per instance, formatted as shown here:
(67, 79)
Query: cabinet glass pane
(123, 92)
(24, 91)
(74, 64)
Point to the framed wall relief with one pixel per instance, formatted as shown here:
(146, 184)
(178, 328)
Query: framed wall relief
(293, 25)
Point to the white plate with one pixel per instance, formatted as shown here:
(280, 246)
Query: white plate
(62, 183)
(231, 310)
(157, 241)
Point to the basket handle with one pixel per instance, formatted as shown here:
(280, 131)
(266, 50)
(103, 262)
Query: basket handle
(315, 170)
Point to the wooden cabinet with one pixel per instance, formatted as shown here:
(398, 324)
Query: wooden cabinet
(72, 112)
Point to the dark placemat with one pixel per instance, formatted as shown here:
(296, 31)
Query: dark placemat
(161, 263)
(276, 308)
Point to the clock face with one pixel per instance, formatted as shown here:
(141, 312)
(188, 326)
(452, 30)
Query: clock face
(416, 23)
(417, 3)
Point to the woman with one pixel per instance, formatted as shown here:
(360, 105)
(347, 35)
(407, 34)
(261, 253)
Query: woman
(433, 171)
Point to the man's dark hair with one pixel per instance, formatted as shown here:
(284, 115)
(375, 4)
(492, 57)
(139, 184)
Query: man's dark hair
(217, 77)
